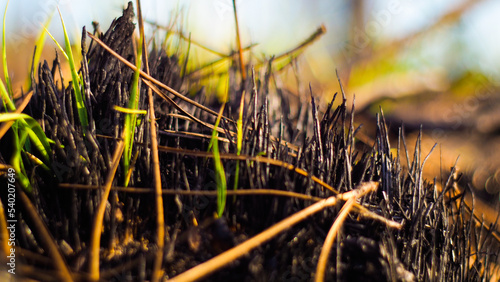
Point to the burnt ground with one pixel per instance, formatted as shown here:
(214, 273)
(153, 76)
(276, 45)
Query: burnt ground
(439, 238)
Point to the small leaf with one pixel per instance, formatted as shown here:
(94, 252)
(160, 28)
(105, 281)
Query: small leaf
(220, 175)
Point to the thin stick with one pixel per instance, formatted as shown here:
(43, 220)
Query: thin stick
(4, 232)
(160, 221)
(238, 41)
(241, 192)
(214, 264)
(327, 245)
(95, 240)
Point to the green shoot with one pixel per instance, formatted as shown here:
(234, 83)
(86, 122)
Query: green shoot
(131, 118)
(4, 54)
(56, 42)
(33, 130)
(37, 162)
(8, 104)
(68, 54)
(129, 111)
(39, 43)
(82, 111)
(239, 142)
(17, 161)
(25, 127)
(220, 175)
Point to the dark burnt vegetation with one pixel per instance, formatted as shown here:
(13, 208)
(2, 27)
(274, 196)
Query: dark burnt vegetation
(439, 238)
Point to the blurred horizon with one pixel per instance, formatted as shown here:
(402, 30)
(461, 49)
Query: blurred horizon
(425, 62)
(277, 26)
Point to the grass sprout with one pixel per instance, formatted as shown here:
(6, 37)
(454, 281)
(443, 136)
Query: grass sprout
(239, 141)
(220, 175)
(6, 99)
(26, 127)
(4, 53)
(130, 111)
(131, 118)
(27, 133)
(68, 54)
(82, 112)
(33, 130)
(39, 43)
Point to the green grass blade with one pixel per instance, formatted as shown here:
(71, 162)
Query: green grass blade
(16, 160)
(24, 127)
(40, 43)
(80, 105)
(131, 118)
(37, 138)
(4, 55)
(129, 111)
(57, 43)
(17, 163)
(31, 127)
(239, 142)
(68, 54)
(6, 100)
(220, 175)
(23, 176)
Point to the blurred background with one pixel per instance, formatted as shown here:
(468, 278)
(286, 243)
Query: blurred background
(429, 63)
